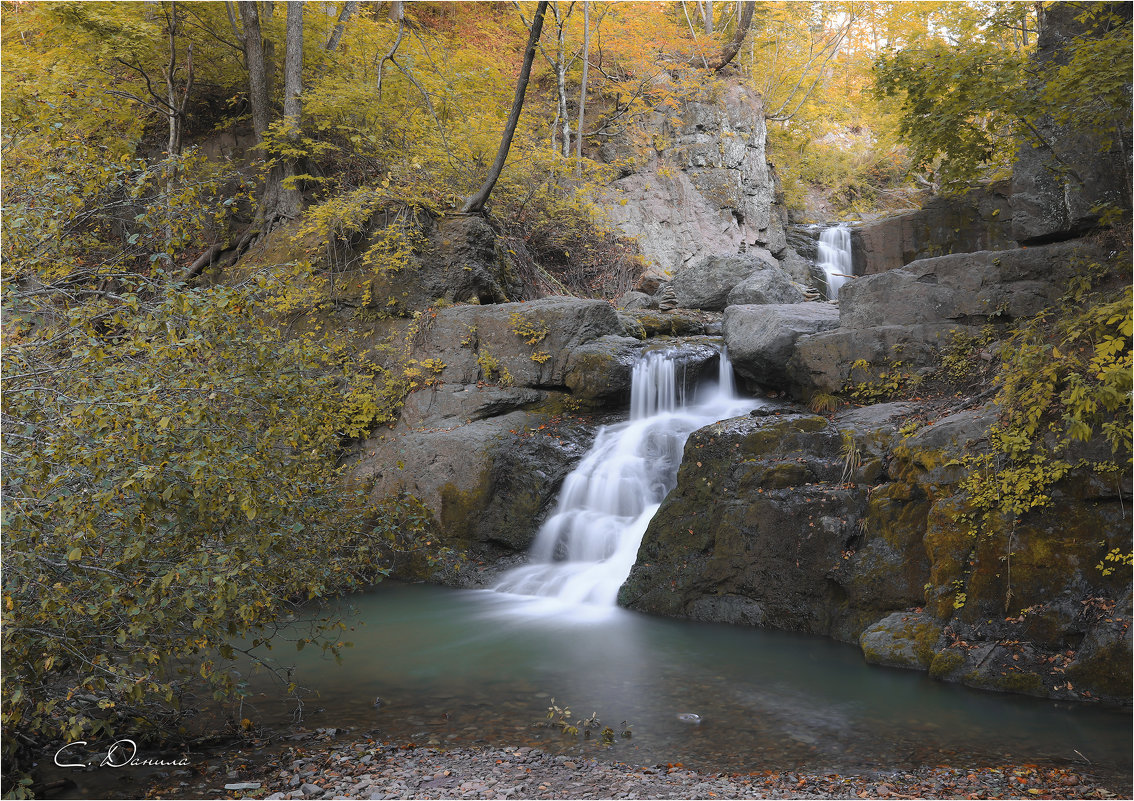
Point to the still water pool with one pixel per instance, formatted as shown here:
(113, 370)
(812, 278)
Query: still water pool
(458, 667)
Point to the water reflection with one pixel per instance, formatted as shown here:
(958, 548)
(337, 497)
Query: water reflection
(458, 667)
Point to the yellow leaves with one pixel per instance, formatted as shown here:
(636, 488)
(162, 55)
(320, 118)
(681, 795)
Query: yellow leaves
(75, 554)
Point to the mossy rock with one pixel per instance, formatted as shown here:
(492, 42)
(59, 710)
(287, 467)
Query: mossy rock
(903, 639)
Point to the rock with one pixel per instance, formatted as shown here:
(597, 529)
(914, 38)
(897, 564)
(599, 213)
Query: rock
(311, 790)
(745, 523)
(821, 362)
(636, 300)
(964, 288)
(456, 404)
(795, 265)
(600, 370)
(511, 344)
(761, 339)
(487, 485)
(675, 323)
(771, 286)
(978, 220)
(667, 297)
(708, 192)
(652, 279)
(902, 639)
(1060, 190)
(457, 263)
(243, 786)
(706, 284)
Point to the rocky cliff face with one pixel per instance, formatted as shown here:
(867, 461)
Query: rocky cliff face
(981, 219)
(1060, 189)
(701, 187)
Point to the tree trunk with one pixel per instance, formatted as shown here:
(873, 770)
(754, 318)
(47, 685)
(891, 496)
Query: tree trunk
(729, 51)
(293, 66)
(349, 9)
(476, 201)
(708, 17)
(278, 200)
(583, 88)
(561, 89)
(257, 72)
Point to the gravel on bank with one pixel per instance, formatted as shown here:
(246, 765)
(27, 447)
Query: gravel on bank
(368, 769)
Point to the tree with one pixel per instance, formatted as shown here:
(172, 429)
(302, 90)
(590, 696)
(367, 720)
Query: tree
(970, 103)
(729, 51)
(280, 198)
(475, 202)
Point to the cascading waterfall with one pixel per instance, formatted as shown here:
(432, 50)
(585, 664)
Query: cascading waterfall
(834, 258)
(586, 549)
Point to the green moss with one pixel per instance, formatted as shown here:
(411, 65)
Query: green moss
(1107, 672)
(1012, 681)
(944, 663)
(460, 509)
(786, 474)
(781, 434)
(656, 323)
(925, 637)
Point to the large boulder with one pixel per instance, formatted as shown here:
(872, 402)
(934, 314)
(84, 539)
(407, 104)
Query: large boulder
(966, 288)
(761, 339)
(978, 220)
(511, 344)
(769, 286)
(487, 484)
(707, 283)
(855, 529)
(766, 527)
(899, 321)
(902, 639)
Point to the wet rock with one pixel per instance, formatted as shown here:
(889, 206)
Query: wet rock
(600, 370)
(487, 484)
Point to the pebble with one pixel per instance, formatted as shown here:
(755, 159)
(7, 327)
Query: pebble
(326, 770)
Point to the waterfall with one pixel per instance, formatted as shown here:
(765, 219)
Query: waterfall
(834, 258)
(585, 550)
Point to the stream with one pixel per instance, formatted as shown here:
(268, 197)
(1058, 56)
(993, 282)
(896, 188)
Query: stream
(462, 667)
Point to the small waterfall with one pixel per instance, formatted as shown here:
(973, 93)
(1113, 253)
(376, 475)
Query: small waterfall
(586, 549)
(834, 258)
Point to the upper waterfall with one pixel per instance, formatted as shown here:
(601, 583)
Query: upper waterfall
(585, 550)
(834, 258)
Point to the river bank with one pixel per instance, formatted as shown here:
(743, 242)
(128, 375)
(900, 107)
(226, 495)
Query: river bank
(370, 769)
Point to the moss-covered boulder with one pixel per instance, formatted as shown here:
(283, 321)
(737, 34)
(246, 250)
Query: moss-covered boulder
(758, 521)
(902, 639)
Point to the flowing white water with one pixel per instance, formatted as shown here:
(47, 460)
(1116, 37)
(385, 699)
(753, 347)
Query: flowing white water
(586, 549)
(834, 258)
